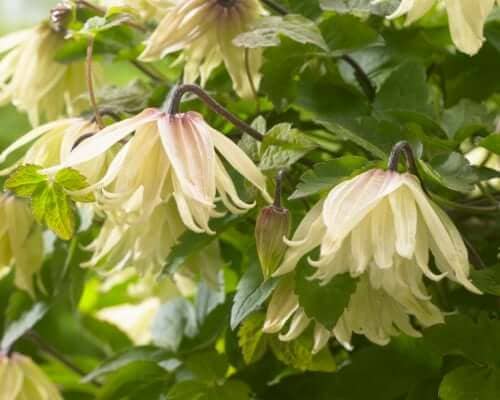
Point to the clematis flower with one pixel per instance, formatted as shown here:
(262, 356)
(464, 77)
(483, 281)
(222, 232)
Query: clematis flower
(169, 157)
(380, 221)
(466, 19)
(373, 312)
(33, 81)
(21, 378)
(21, 242)
(204, 29)
(52, 143)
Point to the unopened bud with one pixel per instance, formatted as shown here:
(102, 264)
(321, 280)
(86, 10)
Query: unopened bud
(273, 224)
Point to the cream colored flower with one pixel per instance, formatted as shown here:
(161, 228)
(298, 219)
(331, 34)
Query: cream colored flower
(33, 81)
(481, 157)
(52, 143)
(21, 379)
(379, 222)
(205, 29)
(21, 242)
(375, 313)
(146, 9)
(466, 19)
(168, 157)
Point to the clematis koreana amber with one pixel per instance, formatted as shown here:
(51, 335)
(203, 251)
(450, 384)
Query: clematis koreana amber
(205, 29)
(170, 156)
(466, 19)
(21, 242)
(21, 378)
(52, 143)
(373, 312)
(376, 222)
(33, 81)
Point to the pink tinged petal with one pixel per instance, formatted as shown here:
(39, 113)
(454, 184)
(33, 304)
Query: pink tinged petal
(348, 203)
(185, 213)
(283, 304)
(239, 161)
(383, 235)
(404, 211)
(190, 151)
(299, 324)
(35, 134)
(105, 139)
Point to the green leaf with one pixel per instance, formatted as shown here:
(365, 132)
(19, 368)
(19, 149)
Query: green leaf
(132, 98)
(72, 180)
(25, 179)
(251, 293)
(174, 320)
(360, 6)
(471, 382)
(347, 32)
(465, 119)
(252, 341)
(207, 366)
(282, 147)
(326, 175)
(17, 328)
(195, 390)
(452, 171)
(492, 143)
(405, 89)
(487, 280)
(267, 30)
(324, 303)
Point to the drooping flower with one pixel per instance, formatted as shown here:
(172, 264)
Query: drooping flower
(52, 143)
(168, 157)
(33, 81)
(21, 378)
(466, 19)
(375, 223)
(21, 242)
(374, 312)
(205, 29)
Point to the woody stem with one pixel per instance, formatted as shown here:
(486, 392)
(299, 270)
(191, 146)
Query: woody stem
(172, 105)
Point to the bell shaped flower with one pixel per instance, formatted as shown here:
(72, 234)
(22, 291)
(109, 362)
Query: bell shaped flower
(21, 242)
(33, 81)
(373, 312)
(466, 19)
(205, 29)
(170, 156)
(21, 378)
(51, 143)
(376, 222)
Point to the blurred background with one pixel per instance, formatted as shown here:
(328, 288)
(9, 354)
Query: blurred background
(16, 14)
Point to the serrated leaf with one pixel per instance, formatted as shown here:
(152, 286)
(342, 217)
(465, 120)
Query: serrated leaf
(251, 293)
(283, 146)
(471, 382)
(487, 280)
(465, 119)
(360, 6)
(72, 180)
(347, 32)
(24, 180)
(16, 329)
(266, 32)
(324, 303)
(252, 341)
(325, 176)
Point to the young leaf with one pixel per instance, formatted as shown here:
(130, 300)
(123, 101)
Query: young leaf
(72, 180)
(24, 180)
(252, 341)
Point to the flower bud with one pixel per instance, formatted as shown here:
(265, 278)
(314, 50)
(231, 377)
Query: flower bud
(273, 224)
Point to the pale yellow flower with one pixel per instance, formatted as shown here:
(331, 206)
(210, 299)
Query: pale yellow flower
(466, 19)
(376, 313)
(22, 379)
(378, 223)
(21, 242)
(52, 143)
(33, 81)
(168, 157)
(205, 29)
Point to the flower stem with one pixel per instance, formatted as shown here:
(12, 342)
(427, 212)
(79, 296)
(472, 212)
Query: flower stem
(148, 70)
(276, 7)
(47, 348)
(402, 147)
(279, 188)
(173, 101)
(90, 83)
